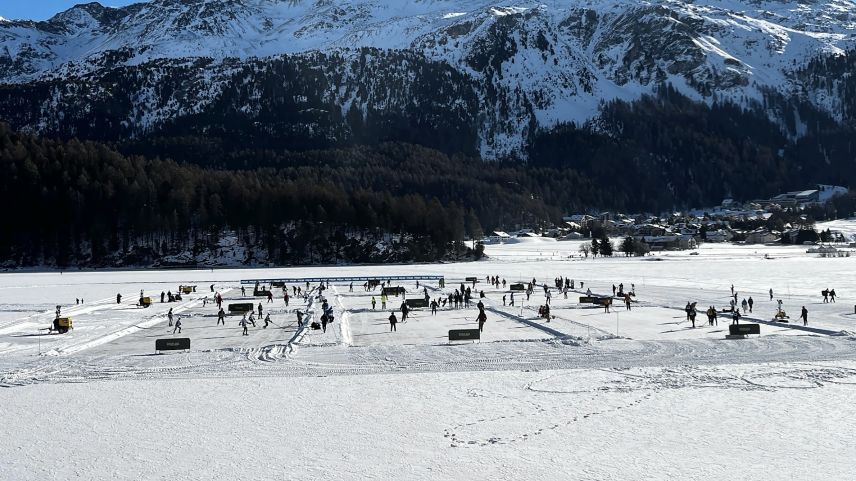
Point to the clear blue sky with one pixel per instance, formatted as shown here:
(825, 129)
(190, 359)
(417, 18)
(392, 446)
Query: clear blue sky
(45, 9)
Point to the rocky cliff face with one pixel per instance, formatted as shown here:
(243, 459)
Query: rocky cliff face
(472, 76)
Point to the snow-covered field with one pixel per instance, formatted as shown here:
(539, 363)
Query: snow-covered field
(636, 394)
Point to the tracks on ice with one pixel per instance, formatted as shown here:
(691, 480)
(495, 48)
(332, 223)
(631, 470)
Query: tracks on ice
(552, 354)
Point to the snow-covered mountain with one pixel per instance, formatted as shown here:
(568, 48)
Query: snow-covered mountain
(526, 64)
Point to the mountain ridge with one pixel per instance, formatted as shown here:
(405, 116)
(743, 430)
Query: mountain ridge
(533, 65)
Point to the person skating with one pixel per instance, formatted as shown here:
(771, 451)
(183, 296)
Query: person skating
(119, 299)
(735, 317)
(270, 296)
(374, 303)
(751, 303)
(688, 309)
(243, 324)
(434, 306)
(252, 319)
(511, 299)
(221, 317)
(480, 305)
(745, 305)
(693, 316)
(503, 301)
(405, 310)
(267, 321)
(243, 291)
(177, 325)
(169, 316)
(832, 295)
(482, 318)
(285, 298)
(260, 310)
(627, 301)
(771, 293)
(392, 322)
(324, 320)
(299, 319)
(212, 287)
(825, 293)
(383, 300)
(606, 304)
(804, 316)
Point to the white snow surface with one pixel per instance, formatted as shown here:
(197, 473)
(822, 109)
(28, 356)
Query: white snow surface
(589, 395)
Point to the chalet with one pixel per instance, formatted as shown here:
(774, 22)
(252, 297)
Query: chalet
(761, 236)
(719, 235)
(497, 237)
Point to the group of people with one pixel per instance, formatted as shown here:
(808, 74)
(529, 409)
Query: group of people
(248, 319)
(393, 321)
(462, 297)
(383, 300)
(712, 315)
(748, 305)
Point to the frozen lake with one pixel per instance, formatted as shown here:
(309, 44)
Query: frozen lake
(588, 395)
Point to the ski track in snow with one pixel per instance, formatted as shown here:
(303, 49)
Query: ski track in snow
(497, 356)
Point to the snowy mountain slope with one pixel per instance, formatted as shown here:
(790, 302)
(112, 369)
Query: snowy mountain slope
(535, 63)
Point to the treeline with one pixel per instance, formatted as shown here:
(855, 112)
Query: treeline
(64, 195)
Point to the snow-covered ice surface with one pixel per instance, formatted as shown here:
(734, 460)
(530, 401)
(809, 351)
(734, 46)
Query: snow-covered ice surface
(589, 395)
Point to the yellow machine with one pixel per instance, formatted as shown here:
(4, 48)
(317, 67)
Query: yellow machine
(187, 289)
(62, 324)
(145, 301)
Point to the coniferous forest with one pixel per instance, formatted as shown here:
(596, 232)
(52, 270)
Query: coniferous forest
(96, 203)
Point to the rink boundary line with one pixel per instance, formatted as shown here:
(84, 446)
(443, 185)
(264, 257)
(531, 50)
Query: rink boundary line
(789, 325)
(548, 330)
